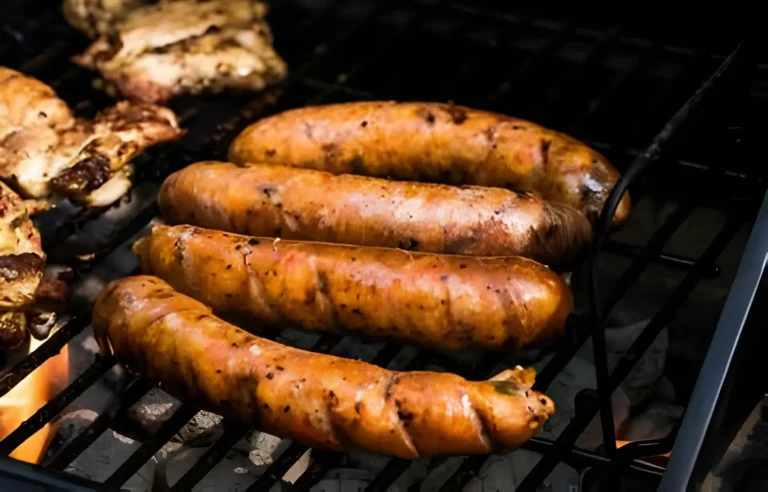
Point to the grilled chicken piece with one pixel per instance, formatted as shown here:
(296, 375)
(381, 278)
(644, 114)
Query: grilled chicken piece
(185, 46)
(26, 102)
(85, 160)
(100, 171)
(96, 17)
(21, 266)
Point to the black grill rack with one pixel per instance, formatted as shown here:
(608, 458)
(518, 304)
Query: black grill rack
(641, 101)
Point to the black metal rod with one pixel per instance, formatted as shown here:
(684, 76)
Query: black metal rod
(321, 462)
(605, 393)
(18, 475)
(602, 230)
(660, 237)
(588, 407)
(233, 432)
(534, 59)
(166, 431)
(605, 146)
(48, 349)
(594, 54)
(580, 458)
(352, 70)
(665, 259)
(594, 104)
(663, 97)
(132, 394)
(48, 411)
(275, 471)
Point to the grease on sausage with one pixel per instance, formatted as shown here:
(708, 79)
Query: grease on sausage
(305, 204)
(445, 143)
(322, 401)
(438, 301)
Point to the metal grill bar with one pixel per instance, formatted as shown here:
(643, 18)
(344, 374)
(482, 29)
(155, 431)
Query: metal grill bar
(137, 389)
(669, 260)
(56, 405)
(595, 54)
(321, 463)
(579, 458)
(632, 152)
(19, 475)
(48, 349)
(233, 432)
(164, 434)
(689, 75)
(620, 288)
(597, 102)
(275, 471)
(526, 67)
(628, 361)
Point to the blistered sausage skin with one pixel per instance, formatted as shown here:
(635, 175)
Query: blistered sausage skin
(444, 143)
(436, 301)
(304, 204)
(322, 401)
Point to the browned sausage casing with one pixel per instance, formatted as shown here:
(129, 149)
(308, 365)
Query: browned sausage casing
(438, 301)
(304, 204)
(423, 141)
(322, 401)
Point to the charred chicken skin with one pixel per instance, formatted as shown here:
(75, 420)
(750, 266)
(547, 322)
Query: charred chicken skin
(21, 266)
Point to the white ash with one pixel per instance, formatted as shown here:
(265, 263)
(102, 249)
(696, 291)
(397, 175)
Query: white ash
(640, 382)
(592, 437)
(149, 413)
(202, 430)
(502, 473)
(263, 449)
(103, 457)
(577, 375)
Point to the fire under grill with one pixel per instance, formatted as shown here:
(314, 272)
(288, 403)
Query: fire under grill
(673, 119)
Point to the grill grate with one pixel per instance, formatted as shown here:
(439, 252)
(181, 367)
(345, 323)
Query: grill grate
(352, 52)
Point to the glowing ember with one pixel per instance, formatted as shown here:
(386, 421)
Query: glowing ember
(29, 396)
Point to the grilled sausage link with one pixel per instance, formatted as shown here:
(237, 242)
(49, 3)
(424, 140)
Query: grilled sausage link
(304, 204)
(437, 301)
(443, 143)
(322, 401)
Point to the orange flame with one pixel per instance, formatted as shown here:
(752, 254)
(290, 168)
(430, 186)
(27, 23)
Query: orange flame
(28, 397)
